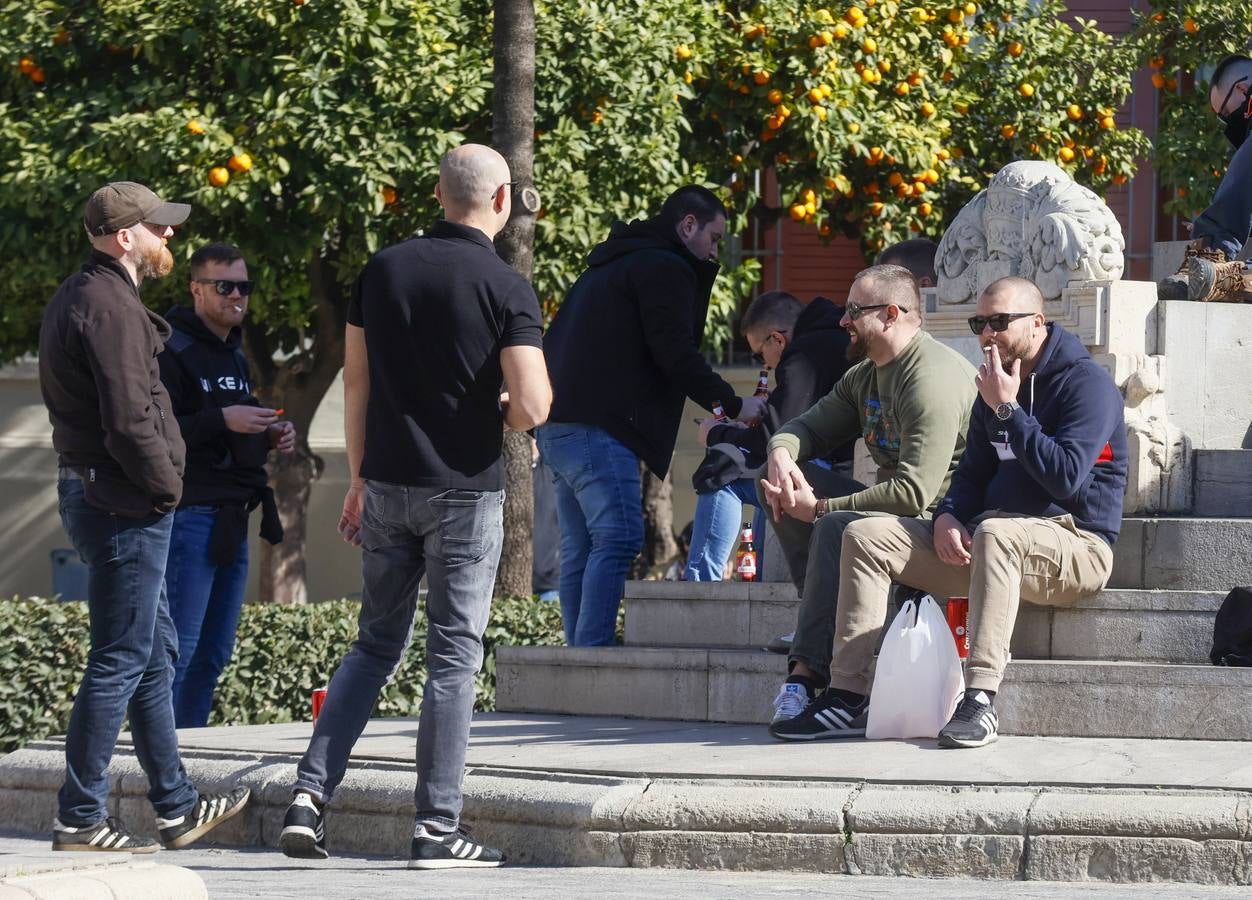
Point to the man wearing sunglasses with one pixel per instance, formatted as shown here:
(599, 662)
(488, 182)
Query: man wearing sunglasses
(806, 348)
(121, 464)
(1032, 513)
(910, 399)
(1211, 268)
(229, 435)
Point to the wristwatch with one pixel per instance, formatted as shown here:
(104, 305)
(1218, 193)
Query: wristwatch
(1004, 411)
(821, 509)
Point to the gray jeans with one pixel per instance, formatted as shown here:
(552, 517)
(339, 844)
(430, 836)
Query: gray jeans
(453, 537)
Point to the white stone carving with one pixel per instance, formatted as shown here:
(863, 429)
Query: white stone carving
(1034, 221)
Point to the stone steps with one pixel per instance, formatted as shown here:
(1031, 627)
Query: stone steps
(1223, 483)
(1052, 698)
(1118, 624)
(1183, 554)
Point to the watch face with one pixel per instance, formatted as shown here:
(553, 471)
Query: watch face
(1004, 411)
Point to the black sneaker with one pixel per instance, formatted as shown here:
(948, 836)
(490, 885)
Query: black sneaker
(826, 716)
(304, 829)
(975, 723)
(455, 850)
(108, 835)
(210, 811)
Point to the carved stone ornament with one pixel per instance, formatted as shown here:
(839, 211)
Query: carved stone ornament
(1032, 220)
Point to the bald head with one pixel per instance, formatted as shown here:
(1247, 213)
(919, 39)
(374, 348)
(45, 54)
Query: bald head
(469, 177)
(1012, 293)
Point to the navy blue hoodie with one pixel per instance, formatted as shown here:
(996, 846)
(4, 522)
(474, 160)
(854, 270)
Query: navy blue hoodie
(1062, 451)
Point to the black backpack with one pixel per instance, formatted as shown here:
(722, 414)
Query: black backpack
(1232, 630)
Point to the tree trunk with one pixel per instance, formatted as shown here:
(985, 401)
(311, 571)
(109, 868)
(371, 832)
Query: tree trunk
(660, 547)
(513, 134)
(297, 386)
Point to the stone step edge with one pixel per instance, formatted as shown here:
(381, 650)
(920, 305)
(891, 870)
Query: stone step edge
(1021, 832)
(133, 880)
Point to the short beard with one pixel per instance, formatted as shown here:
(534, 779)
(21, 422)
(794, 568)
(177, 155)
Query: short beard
(856, 351)
(155, 262)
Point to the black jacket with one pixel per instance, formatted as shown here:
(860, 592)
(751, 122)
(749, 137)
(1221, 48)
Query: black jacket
(815, 358)
(98, 373)
(205, 374)
(624, 349)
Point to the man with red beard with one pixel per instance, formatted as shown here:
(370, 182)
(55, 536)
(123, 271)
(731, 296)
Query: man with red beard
(1034, 508)
(910, 399)
(120, 457)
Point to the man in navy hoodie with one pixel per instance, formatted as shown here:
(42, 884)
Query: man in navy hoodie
(1032, 513)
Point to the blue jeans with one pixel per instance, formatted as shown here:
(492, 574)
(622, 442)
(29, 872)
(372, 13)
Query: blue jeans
(1228, 219)
(205, 601)
(453, 537)
(715, 530)
(130, 665)
(600, 509)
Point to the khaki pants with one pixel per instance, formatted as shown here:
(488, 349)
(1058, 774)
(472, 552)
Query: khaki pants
(1045, 561)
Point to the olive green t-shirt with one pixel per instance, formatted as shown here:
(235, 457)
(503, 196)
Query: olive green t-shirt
(913, 413)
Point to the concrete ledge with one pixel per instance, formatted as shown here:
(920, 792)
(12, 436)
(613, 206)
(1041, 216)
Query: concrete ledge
(551, 817)
(96, 876)
(1223, 483)
(1038, 697)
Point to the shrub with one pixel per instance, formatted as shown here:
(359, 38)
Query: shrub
(282, 653)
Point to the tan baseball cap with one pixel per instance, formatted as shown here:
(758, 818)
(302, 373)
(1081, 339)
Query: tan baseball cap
(121, 204)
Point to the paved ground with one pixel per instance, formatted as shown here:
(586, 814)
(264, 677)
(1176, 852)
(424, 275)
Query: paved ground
(608, 746)
(236, 874)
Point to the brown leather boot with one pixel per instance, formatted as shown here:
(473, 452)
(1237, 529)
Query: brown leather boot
(1176, 286)
(1218, 282)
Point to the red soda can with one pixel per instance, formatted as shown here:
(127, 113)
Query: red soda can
(319, 698)
(958, 621)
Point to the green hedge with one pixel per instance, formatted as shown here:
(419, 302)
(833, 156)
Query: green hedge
(282, 653)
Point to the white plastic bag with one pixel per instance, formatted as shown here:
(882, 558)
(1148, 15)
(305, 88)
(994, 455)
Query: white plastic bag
(919, 681)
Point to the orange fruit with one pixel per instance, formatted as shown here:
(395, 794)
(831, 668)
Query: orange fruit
(761, 77)
(62, 36)
(902, 88)
(682, 51)
(956, 15)
(824, 231)
(1119, 179)
(875, 154)
(36, 75)
(869, 45)
(775, 96)
(1074, 111)
(970, 9)
(389, 194)
(218, 176)
(1189, 25)
(826, 89)
(26, 65)
(854, 128)
(1015, 48)
(1108, 123)
(927, 109)
(1158, 80)
(925, 208)
(797, 211)
(875, 208)
(894, 178)
(1066, 154)
(1007, 130)
(915, 79)
(884, 66)
(1026, 89)
(241, 162)
(961, 108)
(195, 127)
(820, 112)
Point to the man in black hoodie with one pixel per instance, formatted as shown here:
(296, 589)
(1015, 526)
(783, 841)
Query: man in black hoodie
(623, 352)
(807, 350)
(228, 435)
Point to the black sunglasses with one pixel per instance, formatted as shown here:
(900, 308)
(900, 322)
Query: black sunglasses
(998, 322)
(1225, 117)
(759, 356)
(225, 286)
(855, 311)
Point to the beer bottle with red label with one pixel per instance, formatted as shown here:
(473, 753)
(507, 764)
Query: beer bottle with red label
(745, 556)
(762, 384)
(719, 414)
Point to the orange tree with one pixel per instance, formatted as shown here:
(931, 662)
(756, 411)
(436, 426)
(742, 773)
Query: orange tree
(883, 117)
(1183, 42)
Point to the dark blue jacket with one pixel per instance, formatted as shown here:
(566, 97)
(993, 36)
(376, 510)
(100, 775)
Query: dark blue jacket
(1062, 451)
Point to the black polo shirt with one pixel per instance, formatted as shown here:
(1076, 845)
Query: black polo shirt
(436, 311)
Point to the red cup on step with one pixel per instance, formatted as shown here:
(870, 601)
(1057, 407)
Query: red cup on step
(319, 698)
(958, 621)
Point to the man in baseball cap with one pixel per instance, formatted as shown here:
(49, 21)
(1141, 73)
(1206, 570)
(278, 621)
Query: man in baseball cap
(121, 458)
(121, 204)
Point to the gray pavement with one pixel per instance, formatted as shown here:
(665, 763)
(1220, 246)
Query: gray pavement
(233, 874)
(657, 748)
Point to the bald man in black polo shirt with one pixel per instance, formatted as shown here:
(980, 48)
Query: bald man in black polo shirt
(436, 325)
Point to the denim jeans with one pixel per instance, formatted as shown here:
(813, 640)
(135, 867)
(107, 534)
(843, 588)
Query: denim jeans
(453, 537)
(205, 601)
(600, 509)
(130, 665)
(715, 530)
(1228, 218)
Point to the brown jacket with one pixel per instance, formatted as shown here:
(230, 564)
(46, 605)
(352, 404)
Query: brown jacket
(111, 416)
